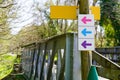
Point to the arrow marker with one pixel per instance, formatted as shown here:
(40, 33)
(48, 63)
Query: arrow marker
(85, 44)
(85, 32)
(85, 20)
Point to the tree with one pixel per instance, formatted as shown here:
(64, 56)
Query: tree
(110, 20)
(5, 6)
(47, 27)
(4, 10)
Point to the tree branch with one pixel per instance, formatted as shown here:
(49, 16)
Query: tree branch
(5, 6)
(6, 38)
(1, 24)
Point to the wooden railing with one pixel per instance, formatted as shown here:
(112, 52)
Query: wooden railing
(107, 68)
(111, 53)
(52, 59)
(58, 58)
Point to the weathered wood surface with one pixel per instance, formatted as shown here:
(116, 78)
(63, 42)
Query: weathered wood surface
(53, 59)
(85, 56)
(111, 53)
(108, 68)
(60, 57)
(108, 73)
(108, 50)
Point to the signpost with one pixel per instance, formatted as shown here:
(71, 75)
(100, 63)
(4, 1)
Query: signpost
(96, 11)
(70, 12)
(86, 31)
(63, 12)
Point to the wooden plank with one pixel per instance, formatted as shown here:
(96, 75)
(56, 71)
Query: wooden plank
(31, 72)
(85, 56)
(49, 74)
(36, 68)
(108, 50)
(105, 62)
(62, 68)
(69, 57)
(109, 73)
(76, 60)
(43, 61)
(100, 50)
(41, 58)
(117, 50)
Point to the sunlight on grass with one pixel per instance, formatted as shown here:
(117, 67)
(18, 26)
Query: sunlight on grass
(6, 64)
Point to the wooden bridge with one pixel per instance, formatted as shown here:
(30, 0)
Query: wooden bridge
(58, 58)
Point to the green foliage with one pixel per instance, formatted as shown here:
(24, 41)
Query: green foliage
(6, 64)
(109, 30)
(1, 1)
(47, 28)
(4, 25)
(110, 19)
(30, 34)
(4, 30)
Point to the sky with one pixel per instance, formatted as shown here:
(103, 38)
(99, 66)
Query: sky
(25, 10)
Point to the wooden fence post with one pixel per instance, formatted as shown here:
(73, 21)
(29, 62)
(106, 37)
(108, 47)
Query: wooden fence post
(85, 55)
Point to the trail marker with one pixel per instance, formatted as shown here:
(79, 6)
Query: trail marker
(85, 20)
(86, 44)
(95, 10)
(70, 12)
(86, 31)
(63, 12)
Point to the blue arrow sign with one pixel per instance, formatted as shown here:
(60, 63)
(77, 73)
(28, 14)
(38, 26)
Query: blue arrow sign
(85, 32)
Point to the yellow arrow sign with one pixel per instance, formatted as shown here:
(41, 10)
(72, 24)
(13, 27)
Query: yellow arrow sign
(95, 10)
(63, 12)
(70, 12)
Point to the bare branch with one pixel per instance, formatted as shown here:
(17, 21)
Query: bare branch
(1, 24)
(6, 38)
(5, 6)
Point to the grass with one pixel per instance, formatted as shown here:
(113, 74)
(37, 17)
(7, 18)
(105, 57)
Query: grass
(6, 64)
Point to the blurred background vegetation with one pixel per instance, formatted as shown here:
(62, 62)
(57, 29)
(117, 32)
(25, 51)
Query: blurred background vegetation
(107, 36)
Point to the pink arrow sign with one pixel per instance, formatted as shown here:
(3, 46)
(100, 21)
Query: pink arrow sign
(85, 20)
